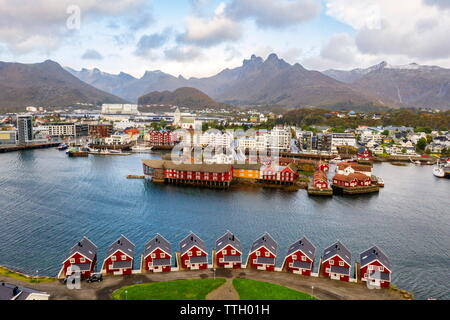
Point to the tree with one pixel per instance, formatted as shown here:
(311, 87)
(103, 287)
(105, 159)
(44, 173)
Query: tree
(421, 144)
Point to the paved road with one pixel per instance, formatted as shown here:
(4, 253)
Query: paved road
(324, 289)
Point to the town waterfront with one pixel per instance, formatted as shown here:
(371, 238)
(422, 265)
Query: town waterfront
(49, 201)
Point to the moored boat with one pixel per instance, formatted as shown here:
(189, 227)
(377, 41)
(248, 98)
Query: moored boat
(141, 149)
(442, 170)
(63, 147)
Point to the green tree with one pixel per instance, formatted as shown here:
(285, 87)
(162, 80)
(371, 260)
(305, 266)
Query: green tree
(421, 144)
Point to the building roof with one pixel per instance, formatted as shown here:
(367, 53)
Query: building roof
(341, 177)
(86, 247)
(266, 241)
(355, 166)
(372, 254)
(191, 240)
(247, 166)
(124, 245)
(228, 239)
(320, 175)
(337, 249)
(359, 176)
(9, 291)
(166, 164)
(305, 246)
(157, 242)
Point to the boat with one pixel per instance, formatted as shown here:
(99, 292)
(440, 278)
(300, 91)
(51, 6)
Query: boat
(380, 182)
(442, 170)
(63, 147)
(77, 153)
(106, 152)
(141, 149)
(336, 160)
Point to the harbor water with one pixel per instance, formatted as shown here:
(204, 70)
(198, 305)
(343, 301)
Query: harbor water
(48, 201)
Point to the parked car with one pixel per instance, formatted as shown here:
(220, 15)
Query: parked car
(95, 277)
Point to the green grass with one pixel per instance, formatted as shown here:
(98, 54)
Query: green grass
(19, 276)
(256, 290)
(169, 290)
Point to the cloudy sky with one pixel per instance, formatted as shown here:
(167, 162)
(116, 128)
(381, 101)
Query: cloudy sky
(201, 37)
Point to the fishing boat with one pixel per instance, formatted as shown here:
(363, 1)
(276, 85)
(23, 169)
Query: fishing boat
(380, 182)
(141, 149)
(63, 147)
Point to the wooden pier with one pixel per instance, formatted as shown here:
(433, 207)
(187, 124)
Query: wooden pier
(320, 192)
(28, 147)
(355, 190)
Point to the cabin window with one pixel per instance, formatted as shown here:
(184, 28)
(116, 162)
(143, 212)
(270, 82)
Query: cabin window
(291, 265)
(82, 260)
(267, 254)
(233, 251)
(163, 255)
(149, 264)
(371, 267)
(72, 260)
(365, 275)
(381, 269)
(189, 253)
(113, 258)
(124, 257)
(221, 260)
(303, 258)
(327, 270)
(153, 256)
(331, 262)
(341, 263)
(254, 261)
(294, 257)
(258, 253)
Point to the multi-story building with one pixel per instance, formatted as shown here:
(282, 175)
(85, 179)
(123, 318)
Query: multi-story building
(279, 139)
(124, 109)
(342, 139)
(99, 131)
(24, 129)
(8, 137)
(65, 129)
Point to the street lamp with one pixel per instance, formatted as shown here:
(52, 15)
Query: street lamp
(312, 295)
(214, 273)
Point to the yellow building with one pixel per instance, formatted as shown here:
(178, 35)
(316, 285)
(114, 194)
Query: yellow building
(246, 171)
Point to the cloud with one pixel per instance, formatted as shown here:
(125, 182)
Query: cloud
(209, 32)
(92, 55)
(443, 4)
(41, 24)
(153, 41)
(274, 13)
(404, 29)
(182, 54)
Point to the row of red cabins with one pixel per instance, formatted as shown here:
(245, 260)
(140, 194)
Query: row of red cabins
(335, 262)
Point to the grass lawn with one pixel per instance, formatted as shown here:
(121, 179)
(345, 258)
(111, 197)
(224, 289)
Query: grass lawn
(256, 290)
(170, 290)
(19, 276)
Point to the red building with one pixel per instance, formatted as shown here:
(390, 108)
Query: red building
(263, 253)
(352, 180)
(364, 155)
(278, 174)
(120, 257)
(229, 251)
(82, 257)
(320, 180)
(322, 166)
(157, 255)
(162, 138)
(213, 175)
(336, 262)
(300, 257)
(375, 268)
(100, 131)
(193, 253)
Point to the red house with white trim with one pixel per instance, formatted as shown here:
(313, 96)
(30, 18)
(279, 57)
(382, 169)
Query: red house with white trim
(322, 166)
(375, 268)
(120, 257)
(336, 262)
(193, 253)
(229, 251)
(320, 180)
(157, 255)
(83, 255)
(263, 253)
(300, 257)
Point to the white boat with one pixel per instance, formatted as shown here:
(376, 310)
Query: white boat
(141, 149)
(106, 152)
(439, 170)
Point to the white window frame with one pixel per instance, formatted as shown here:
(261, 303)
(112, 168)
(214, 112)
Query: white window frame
(72, 260)
(267, 254)
(153, 256)
(294, 257)
(190, 253)
(381, 269)
(82, 260)
(123, 257)
(163, 255)
(303, 258)
(233, 251)
(113, 258)
(331, 262)
(341, 263)
(258, 253)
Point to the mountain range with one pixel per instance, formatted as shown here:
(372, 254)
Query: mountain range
(257, 82)
(409, 85)
(45, 84)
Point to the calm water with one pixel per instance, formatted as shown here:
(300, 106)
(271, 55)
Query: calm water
(48, 201)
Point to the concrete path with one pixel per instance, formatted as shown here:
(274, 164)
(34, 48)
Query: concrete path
(224, 292)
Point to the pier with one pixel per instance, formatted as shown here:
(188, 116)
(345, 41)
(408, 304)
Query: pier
(28, 147)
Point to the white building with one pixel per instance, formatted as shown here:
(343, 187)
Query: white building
(279, 139)
(118, 139)
(125, 109)
(342, 139)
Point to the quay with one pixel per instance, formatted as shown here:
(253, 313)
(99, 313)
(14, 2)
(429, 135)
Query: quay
(28, 147)
(308, 156)
(122, 147)
(355, 190)
(320, 192)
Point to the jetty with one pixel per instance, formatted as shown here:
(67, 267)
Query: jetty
(28, 147)
(340, 190)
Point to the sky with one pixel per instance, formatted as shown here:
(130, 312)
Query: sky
(199, 38)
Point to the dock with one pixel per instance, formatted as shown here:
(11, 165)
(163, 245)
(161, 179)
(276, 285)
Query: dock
(355, 190)
(320, 192)
(28, 147)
